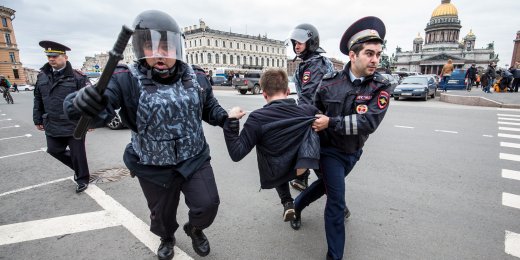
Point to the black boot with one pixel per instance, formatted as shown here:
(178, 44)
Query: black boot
(347, 212)
(296, 223)
(198, 239)
(165, 251)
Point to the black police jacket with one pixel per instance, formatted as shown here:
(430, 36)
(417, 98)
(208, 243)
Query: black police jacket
(123, 92)
(49, 94)
(354, 112)
(284, 140)
(308, 75)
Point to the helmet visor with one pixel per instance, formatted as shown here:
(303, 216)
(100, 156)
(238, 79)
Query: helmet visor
(300, 35)
(158, 44)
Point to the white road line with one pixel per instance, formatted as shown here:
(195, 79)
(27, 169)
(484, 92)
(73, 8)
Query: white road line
(510, 157)
(509, 136)
(508, 115)
(402, 126)
(447, 131)
(20, 136)
(510, 119)
(511, 200)
(13, 126)
(512, 243)
(35, 151)
(52, 227)
(35, 186)
(487, 135)
(507, 123)
(135, 225)
(509, 128)
(9, 119)
(510, 174)
(510, 145)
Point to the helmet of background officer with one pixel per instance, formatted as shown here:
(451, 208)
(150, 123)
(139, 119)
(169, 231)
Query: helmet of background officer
(158, 42)
(362, 42)
(305, 40)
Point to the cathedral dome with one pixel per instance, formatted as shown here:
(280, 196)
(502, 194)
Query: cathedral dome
(445, 9)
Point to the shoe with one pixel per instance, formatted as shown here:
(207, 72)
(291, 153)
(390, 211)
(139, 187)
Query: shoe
(298, 184)
(347, 212)
(81, 187)
(199, 241)
(296, 223)
(165, 251)
(288, 211)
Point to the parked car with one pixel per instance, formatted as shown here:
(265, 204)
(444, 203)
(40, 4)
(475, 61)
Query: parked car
(250, 82)
(218, 80)
(456, 80)
(116, 123)
(392, 80)
(416, 87)
(25, 87)
(292, 85)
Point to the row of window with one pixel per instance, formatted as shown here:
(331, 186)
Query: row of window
(234, 60)
(237, 45)
(4, 21)
(8, 38)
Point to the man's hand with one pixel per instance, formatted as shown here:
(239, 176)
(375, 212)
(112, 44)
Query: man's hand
(89, 102)
(236, 112)
(321, 122)
(40, 127)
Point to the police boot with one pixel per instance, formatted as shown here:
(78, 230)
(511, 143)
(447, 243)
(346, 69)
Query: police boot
(198, 239)
(296, 223)
(165, 251)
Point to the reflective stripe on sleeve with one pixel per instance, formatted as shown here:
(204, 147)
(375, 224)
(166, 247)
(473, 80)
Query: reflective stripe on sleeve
(351, 125)
(348, 130)
(354, 124)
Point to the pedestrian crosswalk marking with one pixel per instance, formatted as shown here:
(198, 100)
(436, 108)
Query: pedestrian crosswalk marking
(509, 129)
(510, 119)
(512, 243)
(511, 200)
(506, 115)
(510, 157)
(510, 145)
(509, 136)
(507, 123)
(510, 174)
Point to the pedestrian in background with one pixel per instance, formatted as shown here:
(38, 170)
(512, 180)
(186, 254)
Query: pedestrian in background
(305, 41)
(15, 87)
(163, 100)
(471, 76)
(354, 101)
(515, 70)
(55, 81)
(446, 71)
(490, 75)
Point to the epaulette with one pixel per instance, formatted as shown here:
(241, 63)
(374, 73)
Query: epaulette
(330, 75)
(379, 78)
(197, 67)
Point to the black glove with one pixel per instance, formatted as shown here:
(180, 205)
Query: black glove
(89, 102)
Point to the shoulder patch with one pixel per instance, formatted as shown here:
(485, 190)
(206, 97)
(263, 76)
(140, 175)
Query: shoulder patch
(382, 99)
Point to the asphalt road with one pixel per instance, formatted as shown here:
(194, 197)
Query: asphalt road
(436, 181)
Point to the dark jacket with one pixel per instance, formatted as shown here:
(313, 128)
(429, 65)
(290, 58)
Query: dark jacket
(123, 93)
(354, 112)
(49, 94)
(284, 140)
(491, 72)
(308, 75)
(471, 73)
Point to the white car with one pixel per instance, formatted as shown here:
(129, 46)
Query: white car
(24, 88)
(292, 85)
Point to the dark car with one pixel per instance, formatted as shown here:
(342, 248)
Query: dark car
(416, 87)
(219, 80)
(456, 80)
(391, 79)
(250, 82)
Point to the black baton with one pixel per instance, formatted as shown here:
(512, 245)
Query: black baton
(115, 55)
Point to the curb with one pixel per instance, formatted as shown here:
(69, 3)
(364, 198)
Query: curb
(475, 101)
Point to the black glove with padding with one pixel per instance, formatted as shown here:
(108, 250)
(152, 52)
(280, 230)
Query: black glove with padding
(89, 102)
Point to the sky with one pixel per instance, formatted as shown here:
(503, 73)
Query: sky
(91, 27)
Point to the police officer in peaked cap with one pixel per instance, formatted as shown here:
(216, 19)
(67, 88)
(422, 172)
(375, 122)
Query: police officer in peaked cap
(57, 75)
(354, 102)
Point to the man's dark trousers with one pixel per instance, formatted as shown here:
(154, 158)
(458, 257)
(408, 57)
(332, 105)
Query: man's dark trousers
(75, 157)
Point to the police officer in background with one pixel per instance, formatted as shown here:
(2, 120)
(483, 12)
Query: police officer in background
(305, 41)
(354, 102)
(55, 81)
(163, 100)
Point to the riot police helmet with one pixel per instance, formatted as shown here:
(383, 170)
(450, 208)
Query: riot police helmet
(308, 34)
(157, 35)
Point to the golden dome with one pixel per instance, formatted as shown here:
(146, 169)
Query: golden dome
(445, 9)
(471, 33)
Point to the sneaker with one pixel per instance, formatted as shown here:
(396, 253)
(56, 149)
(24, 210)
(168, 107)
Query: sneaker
(298, 184)
(165, 251)
(288, 211)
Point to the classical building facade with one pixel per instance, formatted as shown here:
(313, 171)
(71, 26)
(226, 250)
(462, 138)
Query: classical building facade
(516, 50)
(98, 61)
(218, 50)
(441, 42)
(10, 65)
